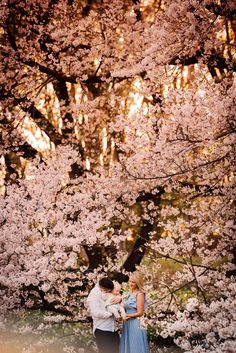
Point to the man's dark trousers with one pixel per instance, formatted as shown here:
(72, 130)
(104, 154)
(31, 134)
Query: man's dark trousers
(107, 341)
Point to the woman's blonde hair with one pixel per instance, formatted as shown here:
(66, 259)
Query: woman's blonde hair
(137, 277)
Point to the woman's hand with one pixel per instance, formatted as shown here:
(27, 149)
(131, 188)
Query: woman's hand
(127, 317)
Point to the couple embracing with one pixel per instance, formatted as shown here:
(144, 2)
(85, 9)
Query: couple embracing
(108, 307)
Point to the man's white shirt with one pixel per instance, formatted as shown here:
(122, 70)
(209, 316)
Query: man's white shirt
(102, 319)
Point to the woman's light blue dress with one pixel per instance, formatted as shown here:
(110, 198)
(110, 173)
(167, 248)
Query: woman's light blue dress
(133, 338)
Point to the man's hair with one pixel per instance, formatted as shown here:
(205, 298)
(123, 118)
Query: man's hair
(106, 282)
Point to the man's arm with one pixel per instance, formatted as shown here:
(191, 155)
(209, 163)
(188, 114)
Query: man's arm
(93, 304)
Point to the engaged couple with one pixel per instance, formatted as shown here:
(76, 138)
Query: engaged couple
(108, 309)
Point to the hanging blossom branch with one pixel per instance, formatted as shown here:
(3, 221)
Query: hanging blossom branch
(196, 280)
(177, 289)
(184, 171)
(183, 262)
(172, 296)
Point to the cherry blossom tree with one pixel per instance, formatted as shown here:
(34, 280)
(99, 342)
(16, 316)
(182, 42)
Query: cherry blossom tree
(135, 103)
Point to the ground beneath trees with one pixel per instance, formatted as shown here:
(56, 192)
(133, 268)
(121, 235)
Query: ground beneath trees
(35, 332)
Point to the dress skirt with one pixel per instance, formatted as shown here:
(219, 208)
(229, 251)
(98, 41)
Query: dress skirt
(133, 338)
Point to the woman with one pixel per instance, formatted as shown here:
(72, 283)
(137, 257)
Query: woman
(134, 338)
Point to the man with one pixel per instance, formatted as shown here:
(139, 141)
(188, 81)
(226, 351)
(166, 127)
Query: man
(104, 324)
